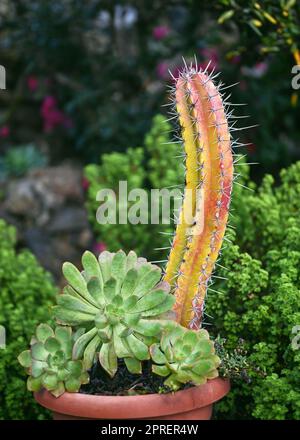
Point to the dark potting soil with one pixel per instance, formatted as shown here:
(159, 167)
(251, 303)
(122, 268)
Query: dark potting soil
(124, 382)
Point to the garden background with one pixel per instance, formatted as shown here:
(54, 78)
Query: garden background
(86, 84)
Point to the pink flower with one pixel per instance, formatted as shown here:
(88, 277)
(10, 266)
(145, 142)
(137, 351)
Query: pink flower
(85, 183)
(32, 83)
(162, 70)
(261, 68)
(48, 104)
(52, 116)
(160, 32)
(99, 247)
(4, 131)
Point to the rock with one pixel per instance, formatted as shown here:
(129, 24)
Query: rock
(84, 239)
(41, 245)
(21, 200)
(44, 190)
(71, 218)
(63, 181)
(47, 206)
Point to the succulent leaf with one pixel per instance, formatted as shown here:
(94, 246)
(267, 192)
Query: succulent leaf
(43, 331)
(157, 355)
(81, 343)
(118, 266)
(91, 267)
(90, 350)
(68, 302)
(161, 370)
(95, 288)
(129, 283)
(71, 317)
(108, 358)
(133, 365)
(105, 259)
(24, 358)
(137, 347)
(77, 281)
(131, 261)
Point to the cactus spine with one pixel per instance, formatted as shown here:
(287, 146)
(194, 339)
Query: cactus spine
(209, 176)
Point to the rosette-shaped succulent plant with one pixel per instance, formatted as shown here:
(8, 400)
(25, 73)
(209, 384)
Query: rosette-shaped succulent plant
(185, 356)
(117, 300)
(49, 361)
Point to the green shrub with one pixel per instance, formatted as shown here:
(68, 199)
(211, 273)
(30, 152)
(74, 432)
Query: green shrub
(260, 298)
(155, 166)
(26, 295)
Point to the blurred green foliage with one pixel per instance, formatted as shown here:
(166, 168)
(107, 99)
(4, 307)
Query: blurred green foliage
(153, 167)
(19, 160)
(274, 23)
(106, 64)
(27, 292)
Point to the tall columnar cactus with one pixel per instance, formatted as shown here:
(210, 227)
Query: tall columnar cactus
(209, 175)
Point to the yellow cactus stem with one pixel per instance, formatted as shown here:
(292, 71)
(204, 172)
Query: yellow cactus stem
(209, 177)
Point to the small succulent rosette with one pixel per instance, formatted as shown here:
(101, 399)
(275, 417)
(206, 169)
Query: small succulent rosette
(185, 356)
(49, 361)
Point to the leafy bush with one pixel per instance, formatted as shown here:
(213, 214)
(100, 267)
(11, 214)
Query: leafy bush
(273, 23)
(26, 295)
(156, 167)
(261, 296)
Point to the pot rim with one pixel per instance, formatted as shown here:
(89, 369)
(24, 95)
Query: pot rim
(137, 406)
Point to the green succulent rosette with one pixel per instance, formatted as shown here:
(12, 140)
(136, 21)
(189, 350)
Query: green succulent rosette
(117, 301)
(184, 356)
(49, 361)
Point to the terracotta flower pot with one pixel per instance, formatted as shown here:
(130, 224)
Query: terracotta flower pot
(191, 404)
